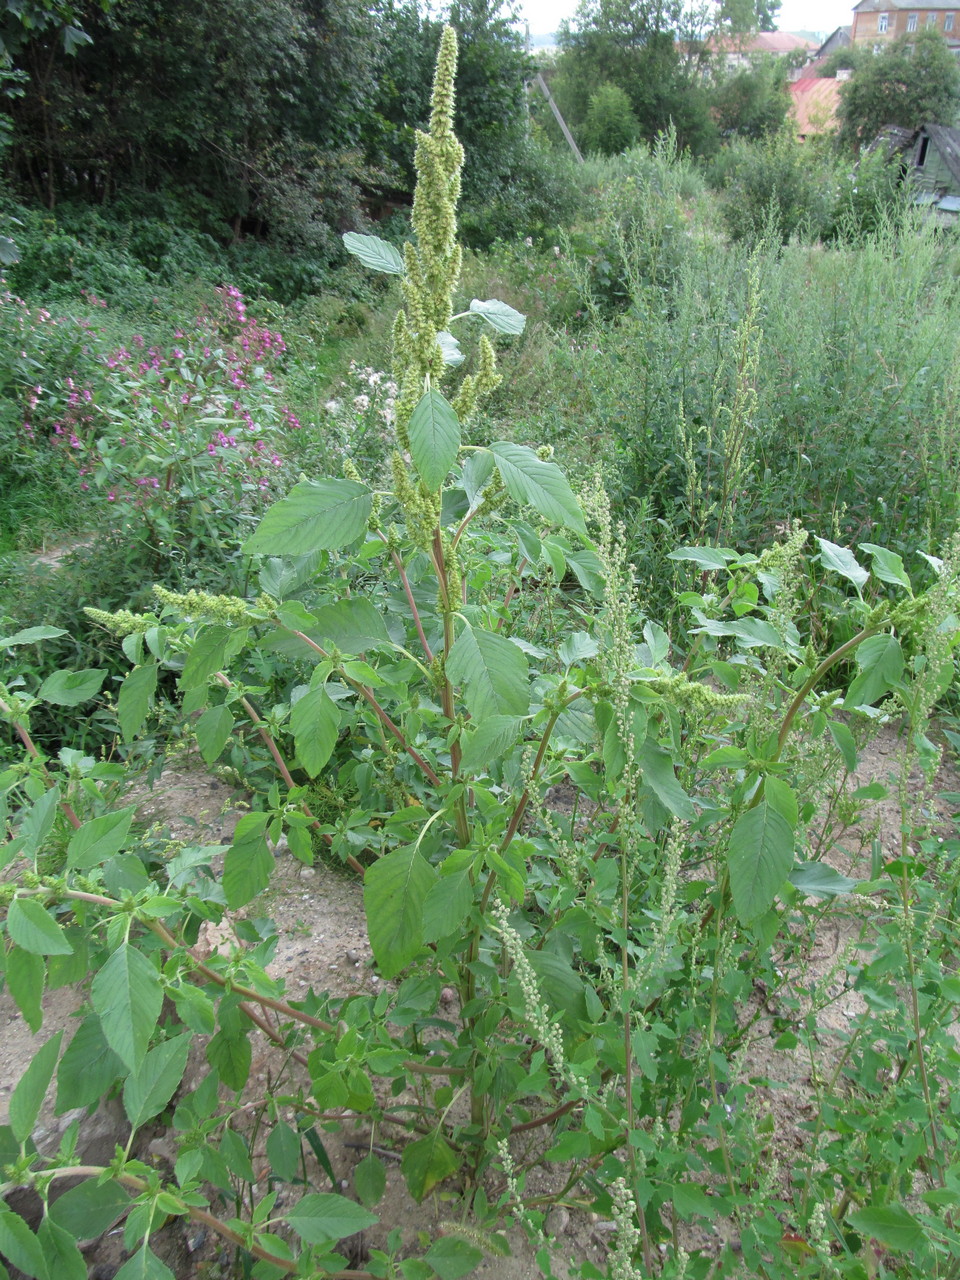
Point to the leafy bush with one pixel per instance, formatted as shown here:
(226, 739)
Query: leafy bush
(610, 126)
(773, 189)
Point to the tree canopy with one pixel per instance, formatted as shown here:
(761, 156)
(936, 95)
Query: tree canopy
(914, 81)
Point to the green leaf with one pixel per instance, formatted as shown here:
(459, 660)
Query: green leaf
(370, 1180)
(128, 997)
(133, 701)
(447, 905)
(709, 558)
(322, 1217)
(248, 861)
(283, 1151)
(689, 1201)
(820, 880)
(351, 625)
(759, 859)
(28, 1096)
(426, 1162)
(542, 485)
(845, 743)
(213, 732)
(450, 348)
(488, 742)
(394, 889)
(34, 929)
(30, 635)
(475, 474)
(842, 560)
(26, 974)
(493, 673)
(578, 647)
(70, 688)
(659, 776)
(452, 1258)
(88, 1067)
(315, 722)
(148, 1091)
(144, 1265)
(891, 1224)
(887, 566)
(316, 515)
(503, 317)
(434, 432)
(561, 984)
(230, 1055)
(880, 660)
(38, 823)
(20, 1246)
(64, 1260)
(87, 1210)
(377, 254)
(206, 656)
(99, 839)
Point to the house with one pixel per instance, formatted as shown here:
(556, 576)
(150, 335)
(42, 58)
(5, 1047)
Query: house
(929, 160)
(813, 105)
(877, 22)
(741, 52)
(842, 38)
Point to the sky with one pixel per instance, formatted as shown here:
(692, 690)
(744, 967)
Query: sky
(795, 15)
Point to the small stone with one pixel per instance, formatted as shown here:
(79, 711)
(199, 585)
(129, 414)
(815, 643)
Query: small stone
(281, 847)
(308, 873)
(447, 995)
(195, 1240)
(162, 1149)
(353, 956)
(557, 1222)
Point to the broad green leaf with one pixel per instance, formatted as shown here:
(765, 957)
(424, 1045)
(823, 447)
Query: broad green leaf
(489, 741)
(230, 1055)
(845, 743)
(709, 558)
(88, 1067)
(394, 889)
(20, 1246)
(34, 929)
(370, 1180)
(503, 317)
(450, 347)
(322, 1217)
(755, 631)
(842, 560)
(434, 432)
(377, 254)
(248, 861)
(213, 731)
(689, 1200)
(30, 635)
(493, 673)
(26, 974)
(426, 1162)
(891, 1224)
(452, 1258)
(206, 656)
(887, 566)
(542, 485)
(561, 984)
(447, 905)
(781, 796)
(587, 570)
(64, 1260)
(351, 626)
(87, 1210)
(38, 823)
(70, 688)
(128, 997)
(820, 880)
(144, 1265)
(475, 473)
(147, 1091)
(283, 1151)
(658, 774)
(316, 515)
(28, 1096)
(99, 839)
(134, 698)
(578, 647)
(315, 722)
(759, 859)
(880, 660)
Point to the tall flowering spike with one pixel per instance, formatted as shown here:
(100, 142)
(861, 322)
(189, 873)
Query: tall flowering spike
(433, 263)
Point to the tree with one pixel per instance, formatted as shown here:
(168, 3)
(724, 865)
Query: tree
(611, 126)
(754, 102)
(914, 81)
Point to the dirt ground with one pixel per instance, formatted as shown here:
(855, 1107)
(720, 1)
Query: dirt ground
(323, 944)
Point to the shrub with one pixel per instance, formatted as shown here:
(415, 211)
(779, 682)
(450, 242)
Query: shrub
(775, 190)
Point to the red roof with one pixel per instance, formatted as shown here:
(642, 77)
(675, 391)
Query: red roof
(815, 103)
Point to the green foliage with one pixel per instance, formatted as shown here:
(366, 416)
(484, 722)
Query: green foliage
(913, 81)
(610, 126)
(753, 103)
(776, 190)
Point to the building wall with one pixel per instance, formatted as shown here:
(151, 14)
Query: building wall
(868, 27)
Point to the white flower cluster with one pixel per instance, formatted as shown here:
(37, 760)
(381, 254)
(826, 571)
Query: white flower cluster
(546, 1032)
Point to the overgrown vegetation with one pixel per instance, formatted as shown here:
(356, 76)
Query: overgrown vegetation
(662, 518)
